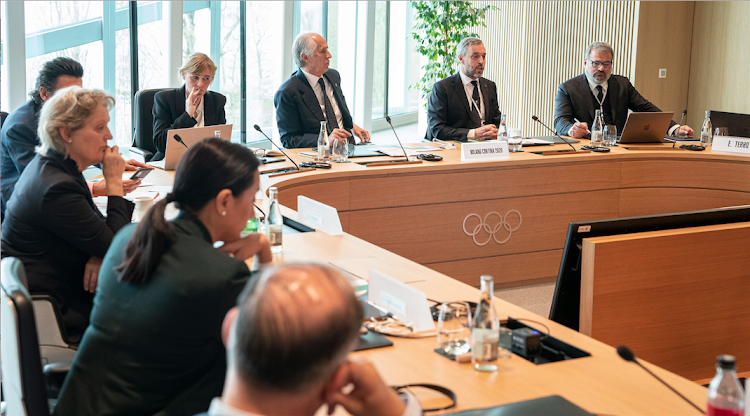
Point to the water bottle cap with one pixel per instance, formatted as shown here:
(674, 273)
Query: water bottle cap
(726, 361)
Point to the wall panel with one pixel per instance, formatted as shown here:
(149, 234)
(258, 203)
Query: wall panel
(534, 46)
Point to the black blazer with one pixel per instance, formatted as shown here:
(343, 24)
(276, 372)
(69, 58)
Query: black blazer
(575, 100)
(169, 114)
(298, 113)
(155, 348)
(53, 227)
(448, 111)
(18, 139)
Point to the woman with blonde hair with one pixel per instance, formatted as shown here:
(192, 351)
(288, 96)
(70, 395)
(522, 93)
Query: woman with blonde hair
(52, 224)
(191, 105)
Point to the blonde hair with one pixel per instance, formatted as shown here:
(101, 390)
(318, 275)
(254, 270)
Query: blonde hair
(68, 107)
(196, 63)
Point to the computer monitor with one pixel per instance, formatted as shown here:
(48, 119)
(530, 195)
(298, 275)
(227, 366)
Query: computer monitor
(738, 125)
(567, 297)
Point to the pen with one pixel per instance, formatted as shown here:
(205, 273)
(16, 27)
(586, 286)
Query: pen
(156, 196)
(577, 121)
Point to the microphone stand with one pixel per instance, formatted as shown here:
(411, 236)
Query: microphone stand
(284, 153)
(557, 152)
(395, 162)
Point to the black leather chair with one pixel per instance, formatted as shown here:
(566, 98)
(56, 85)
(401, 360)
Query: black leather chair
(26, 387)
(143, 143)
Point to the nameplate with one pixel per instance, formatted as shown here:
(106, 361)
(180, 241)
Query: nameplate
(401, 300)
(490, 150)
(733, 145)
(317, 215)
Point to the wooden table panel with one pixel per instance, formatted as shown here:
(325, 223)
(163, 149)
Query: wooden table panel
(650, 201)
(509, 271)
(691, 173)
(434, 233)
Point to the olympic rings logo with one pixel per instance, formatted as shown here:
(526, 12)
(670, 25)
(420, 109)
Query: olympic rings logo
(484, 225)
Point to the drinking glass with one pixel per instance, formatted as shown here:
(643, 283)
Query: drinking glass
(610, 135)
(721, 131)
(514, 140)
(340, 151)
(454, 328)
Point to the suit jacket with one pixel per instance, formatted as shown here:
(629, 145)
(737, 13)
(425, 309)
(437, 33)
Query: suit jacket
(298, 113)
(169, 114)
(53, 227)
(575, 100)
(448, 111)
(155, 348)
(18, 138)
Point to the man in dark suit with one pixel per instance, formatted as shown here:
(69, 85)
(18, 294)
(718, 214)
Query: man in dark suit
(464, 106)
(311, 95)
(580, 97)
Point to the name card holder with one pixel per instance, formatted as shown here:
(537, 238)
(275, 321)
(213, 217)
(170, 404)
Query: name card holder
(482, 151)
(318, 215)
(732, 145)
(403, 301)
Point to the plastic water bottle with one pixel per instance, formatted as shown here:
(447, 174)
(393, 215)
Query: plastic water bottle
(274, 221)
(706, 132)
(485, 335)
(725, 395)
(324, 146)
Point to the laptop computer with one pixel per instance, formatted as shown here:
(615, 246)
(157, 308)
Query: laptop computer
(646, 127)
(738, 125)
(175, 149)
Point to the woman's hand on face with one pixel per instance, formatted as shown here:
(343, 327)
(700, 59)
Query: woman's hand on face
(192, 101)
(246, 247)
(113, 166)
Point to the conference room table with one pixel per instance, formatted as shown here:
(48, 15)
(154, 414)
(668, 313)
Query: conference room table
(397, 217)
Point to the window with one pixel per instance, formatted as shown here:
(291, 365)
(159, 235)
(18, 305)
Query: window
(342, 43)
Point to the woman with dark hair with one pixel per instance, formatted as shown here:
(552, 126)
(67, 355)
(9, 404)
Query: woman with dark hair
(154, 344)
(191, 105)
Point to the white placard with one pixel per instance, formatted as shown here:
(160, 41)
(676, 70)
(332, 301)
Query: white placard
(730, 144)
(403, 301)
(489, 150)
(318, 215)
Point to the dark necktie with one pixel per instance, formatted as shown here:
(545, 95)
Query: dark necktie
(600, 95)
(476, 118)
(330, 115)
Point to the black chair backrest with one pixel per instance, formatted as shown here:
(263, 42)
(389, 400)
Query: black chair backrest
(32, 388)
(144, 119)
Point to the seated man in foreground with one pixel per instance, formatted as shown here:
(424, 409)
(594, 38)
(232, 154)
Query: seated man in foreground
(287, 346)
(311, 95)
(464, 106)
(597, 89)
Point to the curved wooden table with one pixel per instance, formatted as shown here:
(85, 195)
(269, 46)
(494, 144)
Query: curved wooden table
(418, 211)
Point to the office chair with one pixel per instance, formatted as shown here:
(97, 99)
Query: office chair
(143, 143)
(26, 387)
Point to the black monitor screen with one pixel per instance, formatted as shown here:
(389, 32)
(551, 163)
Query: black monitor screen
(738, 125)
(567, 297)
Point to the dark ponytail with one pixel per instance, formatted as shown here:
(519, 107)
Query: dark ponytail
(205, 169)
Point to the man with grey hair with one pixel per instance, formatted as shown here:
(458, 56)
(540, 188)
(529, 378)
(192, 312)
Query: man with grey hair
(464, 106)
(287, 342)
(597, 89)
(311, 95)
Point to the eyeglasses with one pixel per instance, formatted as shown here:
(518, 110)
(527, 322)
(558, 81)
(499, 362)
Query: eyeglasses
(597, 64)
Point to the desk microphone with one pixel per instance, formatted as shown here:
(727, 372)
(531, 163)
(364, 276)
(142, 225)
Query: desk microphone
(287, 156)
(179, 140)
(535, 118)
(684, 113)
(628, 355)
(388, 119)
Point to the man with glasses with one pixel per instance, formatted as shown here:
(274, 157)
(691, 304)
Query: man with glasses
(597, 89)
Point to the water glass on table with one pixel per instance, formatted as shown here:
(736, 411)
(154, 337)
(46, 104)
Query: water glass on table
(721, 131)
(515, 140)
(340, 151)
(610, 135)
(454, 328)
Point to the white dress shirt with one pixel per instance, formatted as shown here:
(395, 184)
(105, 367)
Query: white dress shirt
(469, 89)
(313, 80)
(199, 113)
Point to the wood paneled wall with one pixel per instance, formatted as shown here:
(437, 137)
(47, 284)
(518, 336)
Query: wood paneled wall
(665, 31)
(720, 59)
(534, 46)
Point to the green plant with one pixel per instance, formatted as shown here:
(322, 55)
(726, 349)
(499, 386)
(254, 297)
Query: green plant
(438, 28)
